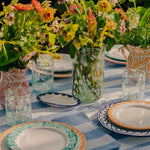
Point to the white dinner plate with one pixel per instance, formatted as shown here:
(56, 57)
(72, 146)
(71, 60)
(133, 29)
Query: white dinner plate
(115, 61)
(108, 124)
(131, 114)
(43, 136)
(115, 53)
(64, 64)
(62, 67)
(81, 143)
(59, 99)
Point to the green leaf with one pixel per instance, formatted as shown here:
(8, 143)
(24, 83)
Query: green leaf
(52, 38)
(8, 55)
(116, 16)
(109, 42)
(61, 40)
(131, 0)
(145, 17)
(121, 1)
(73, 50)
(14, 2)
(140, 10)
(91, 5)
(1, 13)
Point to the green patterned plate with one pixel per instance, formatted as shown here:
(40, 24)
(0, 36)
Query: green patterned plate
(42, 136)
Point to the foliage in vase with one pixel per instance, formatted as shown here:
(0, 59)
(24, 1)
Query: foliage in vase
(134, 26)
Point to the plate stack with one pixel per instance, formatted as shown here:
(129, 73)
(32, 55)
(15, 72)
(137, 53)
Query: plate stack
(115, 55)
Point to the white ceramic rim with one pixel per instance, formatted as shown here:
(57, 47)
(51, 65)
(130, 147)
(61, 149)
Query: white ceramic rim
(115, 111)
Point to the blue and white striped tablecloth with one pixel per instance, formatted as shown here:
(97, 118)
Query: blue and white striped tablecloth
(84, 117)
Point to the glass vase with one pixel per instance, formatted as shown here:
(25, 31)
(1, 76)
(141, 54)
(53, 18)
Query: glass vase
(88, 66)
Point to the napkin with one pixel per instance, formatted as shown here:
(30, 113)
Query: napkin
(96, 138)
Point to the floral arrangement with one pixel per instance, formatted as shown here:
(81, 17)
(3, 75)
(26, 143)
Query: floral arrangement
(134, 26)
(88, 28)
(25, 33)
(87, 24)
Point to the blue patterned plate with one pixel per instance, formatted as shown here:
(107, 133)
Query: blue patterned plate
(42, 136)
(59, 99)
(106, 123)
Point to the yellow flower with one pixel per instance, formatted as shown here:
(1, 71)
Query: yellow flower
(103, 6)
(65, 14)
(56, 56)
(47, 14)
(111, 25)
(68, 36)
(76, 43)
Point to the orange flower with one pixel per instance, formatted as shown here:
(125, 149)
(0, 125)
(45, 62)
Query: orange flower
(37, 5)
(47, 14)
(91, 20)
(121, 13)
(21, 7)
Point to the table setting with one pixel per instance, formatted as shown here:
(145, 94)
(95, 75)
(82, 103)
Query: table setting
(95, 97)
(97, 131)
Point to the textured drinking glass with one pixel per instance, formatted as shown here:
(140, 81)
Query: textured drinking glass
(43, 74)
(133, 85)
(17, 105)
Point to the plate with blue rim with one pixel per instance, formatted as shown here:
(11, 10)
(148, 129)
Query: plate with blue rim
(107, 124)
(58, 99)
(43, 135)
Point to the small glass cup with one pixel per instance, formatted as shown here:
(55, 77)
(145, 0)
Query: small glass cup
(133, 85)
(43, 74)
(18, 105)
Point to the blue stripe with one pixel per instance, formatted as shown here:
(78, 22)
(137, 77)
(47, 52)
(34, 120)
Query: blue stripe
(62, 87)
(110, 146)
(94, 134)
(2, 113)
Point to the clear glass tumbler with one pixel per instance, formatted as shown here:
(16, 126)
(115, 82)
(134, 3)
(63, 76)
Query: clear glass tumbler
(43, 74)
(133, 84)
(18, 105)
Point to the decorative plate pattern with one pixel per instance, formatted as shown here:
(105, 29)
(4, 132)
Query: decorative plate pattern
(106, 123)
(132, 114)
(81, 143)
(23, 134)
(59, 99)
